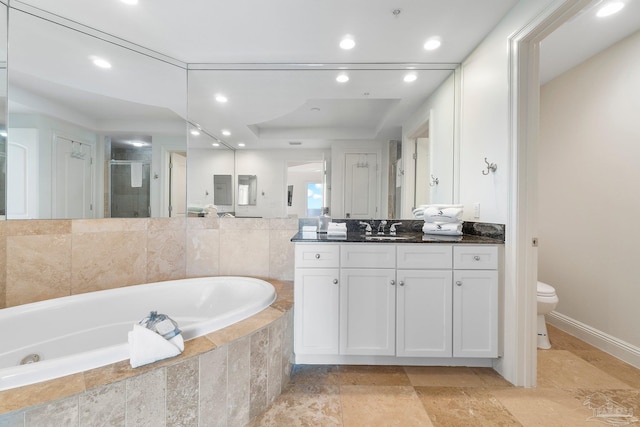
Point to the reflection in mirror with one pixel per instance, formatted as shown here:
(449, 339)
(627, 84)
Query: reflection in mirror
(208, 157)
(305, 188)
(86, 141)
(247, 190)
(3, 110)
(362, 128)
(223, 190)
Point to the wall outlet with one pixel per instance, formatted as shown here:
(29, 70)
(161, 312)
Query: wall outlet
(476, 210)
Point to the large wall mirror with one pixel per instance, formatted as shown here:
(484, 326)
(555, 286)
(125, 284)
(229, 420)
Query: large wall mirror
(311, 137)
(93, 125)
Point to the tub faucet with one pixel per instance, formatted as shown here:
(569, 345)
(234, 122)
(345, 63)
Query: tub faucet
(381, 226)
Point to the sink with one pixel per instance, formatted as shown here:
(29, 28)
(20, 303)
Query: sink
(386, 237)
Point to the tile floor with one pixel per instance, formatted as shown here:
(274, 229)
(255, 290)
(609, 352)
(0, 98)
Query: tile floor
(568, 374)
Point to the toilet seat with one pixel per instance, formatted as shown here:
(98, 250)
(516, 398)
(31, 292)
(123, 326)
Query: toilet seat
(545, 290)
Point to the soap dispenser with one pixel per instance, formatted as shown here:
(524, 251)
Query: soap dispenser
(324, 220)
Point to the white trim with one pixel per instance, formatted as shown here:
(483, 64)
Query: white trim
(605, 342)
(325, 359)
(519, 364)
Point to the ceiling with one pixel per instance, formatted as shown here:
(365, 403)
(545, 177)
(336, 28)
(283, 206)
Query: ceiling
(271, 107)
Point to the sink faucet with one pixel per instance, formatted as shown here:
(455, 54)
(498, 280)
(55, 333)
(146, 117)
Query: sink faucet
(381, 226)
(392, 230)
(368, 229)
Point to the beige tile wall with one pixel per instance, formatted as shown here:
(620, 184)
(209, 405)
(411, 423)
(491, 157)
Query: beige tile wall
(44, 259)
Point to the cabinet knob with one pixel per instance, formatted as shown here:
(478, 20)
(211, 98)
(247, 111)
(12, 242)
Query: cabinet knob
(477, 257)
(393, 282)
(317, 256)
(335, 281)
(401, 283)
(459, 283)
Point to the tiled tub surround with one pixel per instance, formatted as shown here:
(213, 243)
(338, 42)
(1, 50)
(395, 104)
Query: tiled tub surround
(44, 259)
(225, 378)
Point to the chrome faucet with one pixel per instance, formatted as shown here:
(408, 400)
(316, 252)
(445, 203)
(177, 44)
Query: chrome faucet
(381, 226)
(392, 230)
(368, 229)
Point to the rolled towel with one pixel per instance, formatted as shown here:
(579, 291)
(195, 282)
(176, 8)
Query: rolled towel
(450, 229)
(432, 214)
(146, 346)
(418, 213)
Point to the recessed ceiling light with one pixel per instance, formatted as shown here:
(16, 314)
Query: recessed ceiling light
(221, 98)
(100, 62)
(347, 42)
(342, 78)
(226, 132)
(137, 144)
(610, 8)
(410, 78)
(215, 144)
(432, 44)
(241, 144)
(132, 2)
(195, 132)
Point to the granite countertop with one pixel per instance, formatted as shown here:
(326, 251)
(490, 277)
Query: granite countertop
(411, 237)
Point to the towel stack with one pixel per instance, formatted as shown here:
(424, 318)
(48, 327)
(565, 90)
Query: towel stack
(337, 230)
(441, 219)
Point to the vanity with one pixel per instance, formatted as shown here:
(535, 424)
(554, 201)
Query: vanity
(408, 300)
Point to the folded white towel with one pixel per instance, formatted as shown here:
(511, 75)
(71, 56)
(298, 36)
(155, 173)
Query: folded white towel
(432, 214)
(451, 229)
(337, 226)
(146, 346)
(309, 235)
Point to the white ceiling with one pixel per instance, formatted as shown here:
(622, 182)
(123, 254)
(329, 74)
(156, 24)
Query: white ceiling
(268, 108)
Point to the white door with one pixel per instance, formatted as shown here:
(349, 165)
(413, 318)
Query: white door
(316, 315)
(23, 174)
(360, 185)
(475, 313)
(367, 311)
(177, 184)
(72, 184)
(424, 313)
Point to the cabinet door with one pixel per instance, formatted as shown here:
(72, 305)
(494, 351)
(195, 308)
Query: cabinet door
(424, 313)
(367, 311)
(316, 311)
(475, 313)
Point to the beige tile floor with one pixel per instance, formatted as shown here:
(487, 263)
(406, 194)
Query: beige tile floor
(568, 374)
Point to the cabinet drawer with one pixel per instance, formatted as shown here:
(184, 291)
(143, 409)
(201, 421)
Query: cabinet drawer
(470, 257)
(418, 256)
(368, 256)
(317, 256)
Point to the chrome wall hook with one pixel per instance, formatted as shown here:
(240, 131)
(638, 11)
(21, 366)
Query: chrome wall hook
(434, 181)
(491, 167)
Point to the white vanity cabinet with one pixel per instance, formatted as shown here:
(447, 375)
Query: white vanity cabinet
(424, 300)
(394, 303)
(317, 299)
(367, 299)
(475, 301)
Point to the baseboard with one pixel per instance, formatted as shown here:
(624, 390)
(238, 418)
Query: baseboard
(605, 342)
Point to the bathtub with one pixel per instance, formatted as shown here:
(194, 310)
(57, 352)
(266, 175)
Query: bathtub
(81, 332)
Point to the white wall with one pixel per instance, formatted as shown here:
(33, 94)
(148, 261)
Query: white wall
(202, 164)
(589, 159)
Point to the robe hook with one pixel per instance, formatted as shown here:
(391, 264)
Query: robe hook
(491, 167)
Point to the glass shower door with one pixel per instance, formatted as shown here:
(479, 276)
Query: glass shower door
(129, 189)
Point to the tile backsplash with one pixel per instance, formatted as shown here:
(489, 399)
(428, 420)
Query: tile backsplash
(44, 259)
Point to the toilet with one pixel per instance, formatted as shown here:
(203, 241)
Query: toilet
(547, 301)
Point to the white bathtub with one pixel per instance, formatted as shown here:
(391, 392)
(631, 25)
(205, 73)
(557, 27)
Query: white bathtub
(81, 332)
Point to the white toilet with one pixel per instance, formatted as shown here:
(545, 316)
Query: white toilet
(547, 301)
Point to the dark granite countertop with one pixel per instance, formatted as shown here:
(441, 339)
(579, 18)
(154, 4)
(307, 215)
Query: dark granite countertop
(411, 237)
